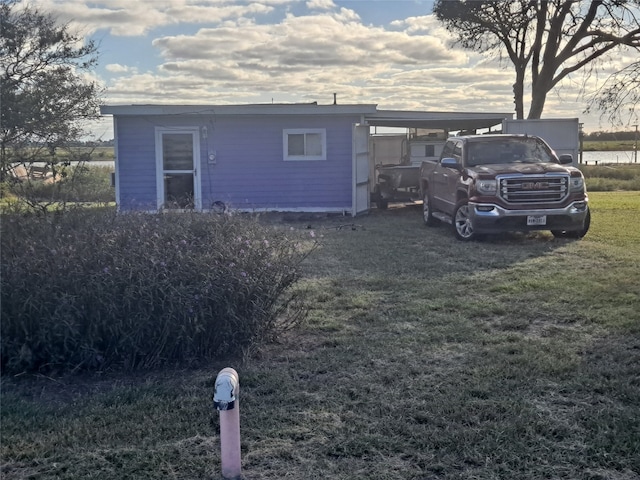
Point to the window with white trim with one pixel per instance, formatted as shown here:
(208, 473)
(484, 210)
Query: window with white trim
(304, 144)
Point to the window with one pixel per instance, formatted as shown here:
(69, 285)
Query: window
(447, 151)
(457, 151)
(305, 144)
(508, 150)
(423, 151)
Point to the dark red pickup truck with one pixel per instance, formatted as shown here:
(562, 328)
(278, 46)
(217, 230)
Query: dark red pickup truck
(497, 183)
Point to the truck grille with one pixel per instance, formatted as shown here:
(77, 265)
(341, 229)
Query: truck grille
(531, 189)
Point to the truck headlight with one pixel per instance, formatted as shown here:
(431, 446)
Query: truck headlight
(487, 187)
(577, 184)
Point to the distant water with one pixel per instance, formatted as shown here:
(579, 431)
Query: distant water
(101, 163)
(590, 158)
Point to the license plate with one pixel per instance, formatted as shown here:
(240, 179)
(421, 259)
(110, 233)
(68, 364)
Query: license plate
(536, 220)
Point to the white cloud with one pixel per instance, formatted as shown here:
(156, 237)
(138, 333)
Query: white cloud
(309, 57)
(117, 68)
(235, 57)
(422, 24)
(320, 4)
(136, 18)
(307, 43)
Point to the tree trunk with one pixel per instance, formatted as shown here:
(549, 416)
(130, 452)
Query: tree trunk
(518, 94)
(538, 98)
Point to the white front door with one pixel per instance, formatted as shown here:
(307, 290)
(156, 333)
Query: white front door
(177, 160)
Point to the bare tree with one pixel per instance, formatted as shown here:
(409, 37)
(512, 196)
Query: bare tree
(45, 99)
(545, 40)
(619, 96)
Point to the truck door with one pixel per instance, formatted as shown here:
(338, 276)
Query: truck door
(445, 179)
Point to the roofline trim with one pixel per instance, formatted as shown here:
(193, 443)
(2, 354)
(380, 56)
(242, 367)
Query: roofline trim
(253, 109)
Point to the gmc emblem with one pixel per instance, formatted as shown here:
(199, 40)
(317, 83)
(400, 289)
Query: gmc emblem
(535, 185)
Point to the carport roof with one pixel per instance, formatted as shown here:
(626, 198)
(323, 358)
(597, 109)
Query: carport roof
(445, 120)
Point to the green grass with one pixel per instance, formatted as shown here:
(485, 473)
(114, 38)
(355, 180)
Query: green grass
(517, 357)
(102, 153)
(614, 210)
(609, 178)
(607, 145)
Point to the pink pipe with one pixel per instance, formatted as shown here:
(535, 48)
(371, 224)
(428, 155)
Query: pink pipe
(225, 399)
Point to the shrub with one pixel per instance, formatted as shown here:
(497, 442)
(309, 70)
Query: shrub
(611, 177)
(78, 183)
(90, 184)
(88, 289)
(618, 172)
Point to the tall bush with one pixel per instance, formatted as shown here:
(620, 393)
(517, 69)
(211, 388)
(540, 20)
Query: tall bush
(95, 290)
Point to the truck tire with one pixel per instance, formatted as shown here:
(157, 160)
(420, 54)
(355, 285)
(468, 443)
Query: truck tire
(575, 233)
(427, 211)
(381, 202)
(462, 224)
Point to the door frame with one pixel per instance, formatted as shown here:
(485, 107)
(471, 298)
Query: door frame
(197, 187)
(360, 201)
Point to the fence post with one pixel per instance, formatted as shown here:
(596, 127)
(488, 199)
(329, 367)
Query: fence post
(226, 401)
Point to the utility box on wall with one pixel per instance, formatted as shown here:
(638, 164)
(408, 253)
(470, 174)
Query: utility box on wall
(562, 134)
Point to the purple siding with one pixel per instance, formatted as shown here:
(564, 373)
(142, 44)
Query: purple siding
(249, 172)
(136, 159)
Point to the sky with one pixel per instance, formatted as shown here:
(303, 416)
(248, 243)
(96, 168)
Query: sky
(392, 53)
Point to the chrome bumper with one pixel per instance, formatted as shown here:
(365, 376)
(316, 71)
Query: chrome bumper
(489, 217)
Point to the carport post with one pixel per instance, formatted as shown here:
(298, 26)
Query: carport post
(225, 400)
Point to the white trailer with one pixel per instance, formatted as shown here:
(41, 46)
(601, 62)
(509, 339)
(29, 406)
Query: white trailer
(562, 134)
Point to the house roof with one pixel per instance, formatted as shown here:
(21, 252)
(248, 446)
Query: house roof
(369, 112)
(253, 109)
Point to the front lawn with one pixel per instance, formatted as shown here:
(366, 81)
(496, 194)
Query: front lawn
(422, 357)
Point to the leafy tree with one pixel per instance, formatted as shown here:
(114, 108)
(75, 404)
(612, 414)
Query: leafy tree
(545, 40)
(45, 96)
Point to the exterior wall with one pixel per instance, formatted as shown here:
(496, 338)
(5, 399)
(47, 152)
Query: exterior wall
(248, 172)
(136, 164)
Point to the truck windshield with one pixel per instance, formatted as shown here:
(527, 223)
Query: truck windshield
(508, 150)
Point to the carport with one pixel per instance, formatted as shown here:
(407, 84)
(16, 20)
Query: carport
(450, 121)
(364, 163)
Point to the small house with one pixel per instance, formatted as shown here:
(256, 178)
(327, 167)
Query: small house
(267, 157)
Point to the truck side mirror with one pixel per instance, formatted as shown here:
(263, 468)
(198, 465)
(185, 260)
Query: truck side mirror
(450, 163)
(566, 158)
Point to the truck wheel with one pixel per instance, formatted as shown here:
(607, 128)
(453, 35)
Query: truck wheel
(381, 202)
(427, 212)
(575, 233)
(463, 227)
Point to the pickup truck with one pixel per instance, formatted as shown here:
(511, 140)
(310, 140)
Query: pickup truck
(502, 182)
